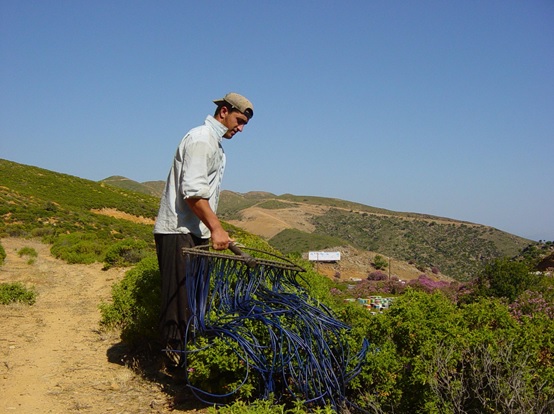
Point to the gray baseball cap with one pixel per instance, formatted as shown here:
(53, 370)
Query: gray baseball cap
(238, 102)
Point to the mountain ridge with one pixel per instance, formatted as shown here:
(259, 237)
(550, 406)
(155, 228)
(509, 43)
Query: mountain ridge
(296, 224)
(46, 204)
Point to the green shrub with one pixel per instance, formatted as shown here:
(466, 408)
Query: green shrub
(214, 366)
(126, 253)
(27, 251)
(427, 354)
(75, 248)
(276, 205)
(135, 306)
(380, 263)
(30, 252)
(266, 407)
(2, 254)
(16, 292)
(296, 241)
(504, 278)
(430, 356)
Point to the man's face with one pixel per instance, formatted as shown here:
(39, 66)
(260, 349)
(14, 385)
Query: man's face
(234, 121)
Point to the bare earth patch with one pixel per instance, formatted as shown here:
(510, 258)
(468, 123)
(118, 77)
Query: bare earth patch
(53, 356)
(270, 222)
(112, 212)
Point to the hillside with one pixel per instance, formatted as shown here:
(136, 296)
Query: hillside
(37, 202)
(153, 188)
(55, 358)
(303, 223)
(421, 242)
(81, 217)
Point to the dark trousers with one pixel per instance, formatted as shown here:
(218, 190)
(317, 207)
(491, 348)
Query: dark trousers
(175, 309)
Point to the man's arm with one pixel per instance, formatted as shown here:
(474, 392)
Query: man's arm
(202, 209)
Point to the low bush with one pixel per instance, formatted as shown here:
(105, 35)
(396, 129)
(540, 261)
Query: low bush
(2, 255)
(135, 306)
(75, 248)
(431, 356)
(16, 292)
(27, 251)
(428, 353)
(380, 263)
(126, 253)
(504, 278)
(266, 407)
(30, 253)
(377, 275)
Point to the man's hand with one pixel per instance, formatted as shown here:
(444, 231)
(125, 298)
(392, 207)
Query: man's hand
(220, 239)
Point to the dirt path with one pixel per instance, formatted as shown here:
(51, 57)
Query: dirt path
(53, 357)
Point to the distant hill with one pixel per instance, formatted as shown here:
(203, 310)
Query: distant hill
(153, 188)
(298, 224)
(82, 219)
(35, 202)
(303, 223)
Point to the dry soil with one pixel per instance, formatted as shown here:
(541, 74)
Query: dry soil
(54, 358)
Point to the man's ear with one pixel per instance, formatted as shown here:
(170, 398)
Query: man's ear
(223, 112)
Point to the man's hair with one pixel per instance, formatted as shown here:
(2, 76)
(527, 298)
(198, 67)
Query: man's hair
(227, 105)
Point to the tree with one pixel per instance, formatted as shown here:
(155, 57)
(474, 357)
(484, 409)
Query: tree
(379, 262)
(503, 278)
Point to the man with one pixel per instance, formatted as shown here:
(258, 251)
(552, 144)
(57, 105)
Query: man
(187, 215)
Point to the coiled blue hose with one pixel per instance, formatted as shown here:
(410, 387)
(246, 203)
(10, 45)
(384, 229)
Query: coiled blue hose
(295, 346)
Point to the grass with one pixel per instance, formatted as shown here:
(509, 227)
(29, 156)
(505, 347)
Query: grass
(16, 292)
(58, 208)
(2, 254)
(30, 252)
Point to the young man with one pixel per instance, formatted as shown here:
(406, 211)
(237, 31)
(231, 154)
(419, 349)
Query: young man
(187, 215)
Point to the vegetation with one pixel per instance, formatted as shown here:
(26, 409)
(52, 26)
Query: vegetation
(135, 305)
(431, 356)
(152, 188)
(62, 211)
(29, 252)
(126, 253)
(16, 292)
(2, 254)
(295, 241)
(379, 262)
(439, 348)
(534, 253)
(276, 204)
(232, 203)
(458, 249)
(503, 278)
(265, 407)
(484, 346)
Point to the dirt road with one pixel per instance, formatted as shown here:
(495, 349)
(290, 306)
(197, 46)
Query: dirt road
(53, 356)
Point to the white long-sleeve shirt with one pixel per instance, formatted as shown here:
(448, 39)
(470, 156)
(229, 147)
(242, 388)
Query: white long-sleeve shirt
(197, 172)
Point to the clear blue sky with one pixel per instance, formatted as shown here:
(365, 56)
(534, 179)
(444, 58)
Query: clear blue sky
(439, 107)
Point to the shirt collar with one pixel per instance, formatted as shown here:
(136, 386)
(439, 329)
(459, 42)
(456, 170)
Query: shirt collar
(217, 126)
